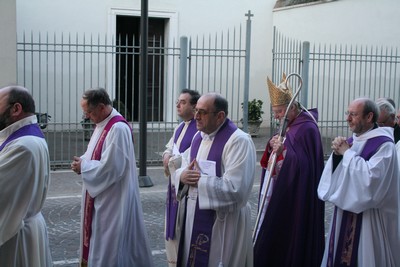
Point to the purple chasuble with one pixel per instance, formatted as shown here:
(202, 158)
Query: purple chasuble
(89, 201)
(200, 243)
(30, 129)
(292, 233)
(350, 227)
(172, 203)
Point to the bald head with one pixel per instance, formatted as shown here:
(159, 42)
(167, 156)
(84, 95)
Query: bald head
(219, 102)
(16, 103)
(18, 94)
(362, 114)
(212, 110)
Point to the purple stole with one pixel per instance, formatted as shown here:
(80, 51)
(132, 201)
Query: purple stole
(350, 228)
(89, 201)
(172, 203)
(187, 139)
(30, 129)
(200, 243)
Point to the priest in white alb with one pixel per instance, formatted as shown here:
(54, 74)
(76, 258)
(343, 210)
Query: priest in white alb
(361, 179)
(215, 182)
(24, 181)
(113, 231)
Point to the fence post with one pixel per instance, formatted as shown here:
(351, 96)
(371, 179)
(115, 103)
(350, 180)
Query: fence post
(144, 179)
(304, 72)
(247, 72)
(183, 61)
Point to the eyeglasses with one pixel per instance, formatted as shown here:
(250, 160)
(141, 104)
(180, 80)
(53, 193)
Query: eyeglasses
(89, 110)
(351, 114)
(181, 102)
(203, 112)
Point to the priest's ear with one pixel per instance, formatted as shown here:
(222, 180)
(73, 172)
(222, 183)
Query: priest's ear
(16, 109)
(221, 116)
(370, 116)
(17, 112)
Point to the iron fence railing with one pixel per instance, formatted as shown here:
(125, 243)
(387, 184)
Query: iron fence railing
(59, 68)
(333, 75)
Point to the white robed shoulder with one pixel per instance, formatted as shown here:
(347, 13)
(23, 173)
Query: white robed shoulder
(24, 180)
(371, 187)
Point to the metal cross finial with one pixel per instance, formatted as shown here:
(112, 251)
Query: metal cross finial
(249, 15)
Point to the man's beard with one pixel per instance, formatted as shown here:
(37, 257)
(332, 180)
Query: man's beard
(5, 119)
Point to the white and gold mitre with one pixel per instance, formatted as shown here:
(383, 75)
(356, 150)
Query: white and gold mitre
(281, 94)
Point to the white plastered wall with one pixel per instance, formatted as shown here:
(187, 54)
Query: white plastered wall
(8, 42)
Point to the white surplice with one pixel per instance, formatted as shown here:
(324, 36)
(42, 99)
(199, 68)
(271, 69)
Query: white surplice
(371, 187)
(24, 179)
(119, 237)
(231, 243)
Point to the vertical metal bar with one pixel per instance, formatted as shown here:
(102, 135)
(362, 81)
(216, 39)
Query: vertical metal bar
(190, 64)
(153, 63)
(144, 180)
(221, 61)
(69, 107)
(202, 65)
(233, 66)
(126, 70)
(274, 62)
(161, 56)
(84, 63)
(62, 93)
(77, 96)
(239, 76)
(305, 72)
(183, 80)
(126, 58)
(247, 73)
(55, 92)
(173, 80)
(362, 66)
(233, 78)
(98, 64)
(111, 50)
(197, 67)
(208, 58)
(347, 70)
(105, 51)
(215, 60)
(227, 62)
(39, 76)
(91, 60)
(396, 92)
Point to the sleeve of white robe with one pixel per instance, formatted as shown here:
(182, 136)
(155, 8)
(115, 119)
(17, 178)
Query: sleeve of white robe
(357, 184)
(398, 151)
(99, 175)
(232, 190)
(169, 145)
(175, 178)
(19, 186)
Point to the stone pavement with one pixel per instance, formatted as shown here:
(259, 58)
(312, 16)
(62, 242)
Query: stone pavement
(62, 211)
